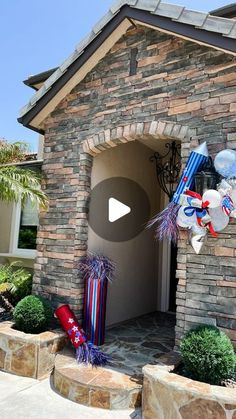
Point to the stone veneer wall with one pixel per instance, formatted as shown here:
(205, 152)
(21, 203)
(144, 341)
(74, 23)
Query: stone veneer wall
(173, 396)
(181, 90)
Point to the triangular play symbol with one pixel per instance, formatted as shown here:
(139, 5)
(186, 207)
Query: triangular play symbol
(117, 210)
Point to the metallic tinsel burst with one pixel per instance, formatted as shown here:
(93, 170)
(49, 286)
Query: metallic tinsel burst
(97, 267)
(87, 353)
(166, 220)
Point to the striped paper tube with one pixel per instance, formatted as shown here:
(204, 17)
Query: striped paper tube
(95, 310)
(195, 161)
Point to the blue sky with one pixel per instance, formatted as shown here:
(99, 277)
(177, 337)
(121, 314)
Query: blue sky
(38, 35)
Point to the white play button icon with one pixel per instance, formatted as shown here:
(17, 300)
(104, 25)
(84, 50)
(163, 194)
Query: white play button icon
(117, 210)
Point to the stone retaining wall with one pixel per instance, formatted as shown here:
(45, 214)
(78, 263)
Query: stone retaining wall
(168, 395)
(180, 90)
(29, 355)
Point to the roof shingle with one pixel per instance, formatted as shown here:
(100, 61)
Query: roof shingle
(203, 21)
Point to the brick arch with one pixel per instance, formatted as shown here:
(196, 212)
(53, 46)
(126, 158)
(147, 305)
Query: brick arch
(110, 138)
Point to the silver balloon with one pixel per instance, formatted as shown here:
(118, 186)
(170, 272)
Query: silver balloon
(219, 219)
(225, 163)
(233, 195)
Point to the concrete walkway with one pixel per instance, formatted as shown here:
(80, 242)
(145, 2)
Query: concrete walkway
(25, 398)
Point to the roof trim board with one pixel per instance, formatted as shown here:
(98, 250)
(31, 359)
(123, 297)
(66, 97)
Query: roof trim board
(73, 76)
(227, 11)
(67, 76)
(39, 79)
(208, 38)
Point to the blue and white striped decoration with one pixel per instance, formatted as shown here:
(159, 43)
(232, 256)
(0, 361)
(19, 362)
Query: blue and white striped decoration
(196, 160)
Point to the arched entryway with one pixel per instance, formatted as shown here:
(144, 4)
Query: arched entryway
(135, 289)
(144, 270)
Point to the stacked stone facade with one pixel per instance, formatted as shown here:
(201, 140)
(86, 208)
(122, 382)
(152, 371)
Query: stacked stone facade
(181, 90)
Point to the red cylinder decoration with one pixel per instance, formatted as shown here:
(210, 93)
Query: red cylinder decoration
(86, 352)
(95, 310)
(70, 324)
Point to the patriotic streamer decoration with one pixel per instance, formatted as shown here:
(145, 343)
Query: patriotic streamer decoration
(85, 351)
(97, 271)
(227, 205)
(167, 227)
(210, 212)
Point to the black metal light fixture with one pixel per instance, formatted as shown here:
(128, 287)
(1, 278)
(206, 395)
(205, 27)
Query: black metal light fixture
(168, 167)
(206, 178)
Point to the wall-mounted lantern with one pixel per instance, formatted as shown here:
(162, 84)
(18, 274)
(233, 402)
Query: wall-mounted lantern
(168, 167)
(207, 178)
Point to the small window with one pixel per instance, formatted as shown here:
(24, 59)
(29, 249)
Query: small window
(25, 221)
(28, 226)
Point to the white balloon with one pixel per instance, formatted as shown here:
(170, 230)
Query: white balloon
(184, 220)
(214, 198)
(219, 219)
(225, 162)
(233, 214)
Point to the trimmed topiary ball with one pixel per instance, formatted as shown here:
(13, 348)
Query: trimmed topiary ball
(33, 314)
(208, 355)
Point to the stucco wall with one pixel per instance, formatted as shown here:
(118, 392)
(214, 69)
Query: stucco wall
(5, 226)
(134, 292)
(181, 90)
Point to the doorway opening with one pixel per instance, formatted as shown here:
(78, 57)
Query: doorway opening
(145, 279)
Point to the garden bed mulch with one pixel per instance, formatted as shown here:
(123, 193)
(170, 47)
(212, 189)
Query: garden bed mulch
(5, 315)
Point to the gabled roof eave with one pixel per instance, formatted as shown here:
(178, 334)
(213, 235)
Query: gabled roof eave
(49, 92)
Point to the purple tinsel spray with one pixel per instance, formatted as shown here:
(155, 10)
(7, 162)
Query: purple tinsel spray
(166, 220)
(90, 354)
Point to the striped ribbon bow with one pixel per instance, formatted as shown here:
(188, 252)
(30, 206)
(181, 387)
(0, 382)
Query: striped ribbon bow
(203, 218)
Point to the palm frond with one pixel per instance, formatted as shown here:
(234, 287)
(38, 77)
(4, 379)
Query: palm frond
(20, 184)
(14, 152)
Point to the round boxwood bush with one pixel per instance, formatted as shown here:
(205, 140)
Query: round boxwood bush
(208, 355)
(33, 314)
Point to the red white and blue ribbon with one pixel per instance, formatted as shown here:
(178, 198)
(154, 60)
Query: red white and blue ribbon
(227, 205)
(202, 216)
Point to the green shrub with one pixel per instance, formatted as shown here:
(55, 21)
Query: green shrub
(208, 355)
(33, 314)
(5, 273)
(20, 280)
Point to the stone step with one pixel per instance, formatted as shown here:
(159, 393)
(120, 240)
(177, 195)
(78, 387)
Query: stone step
(106, 388)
